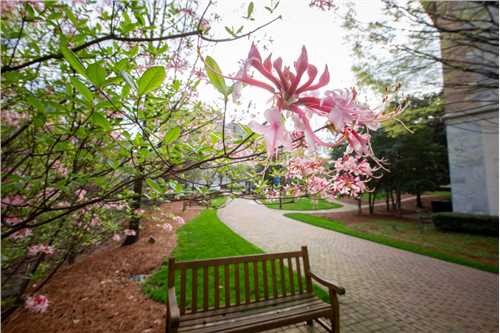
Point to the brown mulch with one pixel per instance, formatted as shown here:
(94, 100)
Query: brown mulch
(95, 294)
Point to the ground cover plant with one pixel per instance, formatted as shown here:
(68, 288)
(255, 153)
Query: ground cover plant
(471, 250)
(203, 238)
(301, 204)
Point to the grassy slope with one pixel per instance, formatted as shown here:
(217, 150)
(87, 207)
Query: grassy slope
(303, 204)
(339, 227)
(202, 238)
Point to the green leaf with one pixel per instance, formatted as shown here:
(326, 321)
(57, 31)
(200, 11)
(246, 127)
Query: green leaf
(96, 74)
(154, 185)
(215, 76)
(100, 120)
(250, 9)
(172, 135)
(82, 89)
(230, 31)
(151, 80)
(130, 81)
(73, 60)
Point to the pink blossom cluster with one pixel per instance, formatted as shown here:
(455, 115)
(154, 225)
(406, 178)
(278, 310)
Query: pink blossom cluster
(300, 167)
(355, 165)
(116, 205)
(14, 200)
(167, 227)
(322, 4)
(178, 219)
(139, 212)
(60, 168)
(129, 232)
(34, 250)
(37, 303)
(21, 234)
(12, 220)
(297, 96)
(348, 184)
(13, 118)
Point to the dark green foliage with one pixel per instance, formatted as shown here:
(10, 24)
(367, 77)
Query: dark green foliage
(466, 223)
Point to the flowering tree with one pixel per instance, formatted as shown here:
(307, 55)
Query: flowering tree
(100, 110)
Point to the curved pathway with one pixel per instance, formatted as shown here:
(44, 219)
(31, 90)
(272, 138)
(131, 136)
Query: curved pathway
(388, 290)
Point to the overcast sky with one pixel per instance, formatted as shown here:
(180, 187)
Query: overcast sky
(320, 31)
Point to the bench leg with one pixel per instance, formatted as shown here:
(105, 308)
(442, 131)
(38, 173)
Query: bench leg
(309, 323)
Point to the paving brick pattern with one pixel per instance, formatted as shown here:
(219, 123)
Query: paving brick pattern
(388, 290)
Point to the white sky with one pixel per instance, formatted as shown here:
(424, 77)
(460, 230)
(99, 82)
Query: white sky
(320, 31)
(301, 25)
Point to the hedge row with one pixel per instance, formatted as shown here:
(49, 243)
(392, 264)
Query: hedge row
(467, 223)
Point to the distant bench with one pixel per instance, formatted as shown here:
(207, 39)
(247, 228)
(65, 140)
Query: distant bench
(225, 295)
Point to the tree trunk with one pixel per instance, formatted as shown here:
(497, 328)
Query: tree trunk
(393, 203)
(387, 207)
(419, 200)
(371, 202)
(136, 204)
(398, 198)
(359, 206)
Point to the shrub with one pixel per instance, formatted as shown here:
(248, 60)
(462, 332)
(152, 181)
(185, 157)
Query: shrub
(466, 223)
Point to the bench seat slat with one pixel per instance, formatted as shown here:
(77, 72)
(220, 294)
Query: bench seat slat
(221, 311)
(265, 315)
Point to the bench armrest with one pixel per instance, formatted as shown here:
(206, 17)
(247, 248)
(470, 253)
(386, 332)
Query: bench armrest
(173, 314)
(328, 284)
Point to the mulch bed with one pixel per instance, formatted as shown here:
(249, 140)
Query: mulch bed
(95, 293)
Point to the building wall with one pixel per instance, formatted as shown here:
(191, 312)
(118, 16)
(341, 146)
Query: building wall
(473, 157)
(471, 105)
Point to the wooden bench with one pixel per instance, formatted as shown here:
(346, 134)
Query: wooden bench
(247, 294)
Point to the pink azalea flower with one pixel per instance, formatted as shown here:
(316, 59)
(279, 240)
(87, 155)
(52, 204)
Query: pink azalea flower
(81, 194)
(179, 219)
(60, 168)
(95, 221)
(116, 237)
(289, 93)
(348, 185)
(358, 142)
(316, 184)
(13, 118)
(21, 234)
(324, 5)
(129, 232)
(346, 111)
(37, 303)
(139, 211)
(167, 227)
(274, 133)
(34, 250)
(115, 135)
(14, 200)
(12, 220)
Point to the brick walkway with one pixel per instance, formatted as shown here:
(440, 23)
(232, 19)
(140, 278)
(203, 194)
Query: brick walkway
(388, 290)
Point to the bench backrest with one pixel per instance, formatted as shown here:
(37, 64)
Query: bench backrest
(202, 285)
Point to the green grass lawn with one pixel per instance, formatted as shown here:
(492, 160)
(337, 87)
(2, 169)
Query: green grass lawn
(302, 204)
(446, 194)
(218, 202)
(207, 237)
(470, 250)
